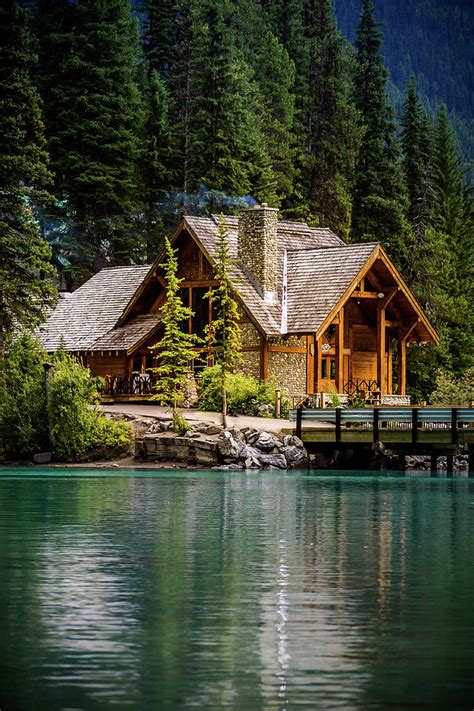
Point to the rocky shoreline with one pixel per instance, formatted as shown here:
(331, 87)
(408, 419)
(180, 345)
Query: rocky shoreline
(213, 446)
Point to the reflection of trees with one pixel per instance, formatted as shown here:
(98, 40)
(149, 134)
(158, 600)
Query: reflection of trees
(239, 591)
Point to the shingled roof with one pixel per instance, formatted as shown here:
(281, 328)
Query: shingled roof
(100, 315)
(317, 280)
(290, 236)
(81, 320)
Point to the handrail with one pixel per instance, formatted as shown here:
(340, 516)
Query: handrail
(450, 418)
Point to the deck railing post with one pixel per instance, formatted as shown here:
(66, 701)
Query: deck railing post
(299, 417)
(454, 425)
(414, 425)
(338, 424)
(376, 424)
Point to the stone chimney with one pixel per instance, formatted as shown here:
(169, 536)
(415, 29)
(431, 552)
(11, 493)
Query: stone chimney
(258, 247)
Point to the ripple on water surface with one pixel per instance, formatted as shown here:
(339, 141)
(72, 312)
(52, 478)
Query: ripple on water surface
(180, 590)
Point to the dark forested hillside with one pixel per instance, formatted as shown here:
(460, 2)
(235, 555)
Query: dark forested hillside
(431, 39)
(144, 110)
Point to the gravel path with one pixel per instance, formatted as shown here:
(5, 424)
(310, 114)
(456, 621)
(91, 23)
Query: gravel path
(163, 413)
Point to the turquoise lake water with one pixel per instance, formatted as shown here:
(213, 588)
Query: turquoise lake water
(205, 590)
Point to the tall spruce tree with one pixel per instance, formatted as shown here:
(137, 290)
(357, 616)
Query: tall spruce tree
(95, 135)
(453, 215)
(416, 141)
(226, 148)
(275, 74)
(176, 347)
(156, 164)
(332, 131)
(25, 273)
(379, 201)
(224, 332)
(159, 34)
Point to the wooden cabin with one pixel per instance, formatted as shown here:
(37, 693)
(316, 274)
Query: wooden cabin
(316, 314)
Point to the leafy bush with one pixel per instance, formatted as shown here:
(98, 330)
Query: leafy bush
(80, 431)
(245, 394)
(180, 424)
(334, 398)
(451, 391)
(356, 402)
(23, 414)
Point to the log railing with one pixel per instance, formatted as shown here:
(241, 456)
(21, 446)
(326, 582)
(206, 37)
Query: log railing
(378, 419)
(129, 385)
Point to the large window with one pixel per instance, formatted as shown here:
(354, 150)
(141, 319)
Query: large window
(328, 368)
(200, 307)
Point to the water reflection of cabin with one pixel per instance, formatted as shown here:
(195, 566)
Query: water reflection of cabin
(317, 314)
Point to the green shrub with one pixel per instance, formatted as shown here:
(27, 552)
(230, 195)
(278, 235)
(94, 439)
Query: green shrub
(334, 398)
(356, 402)
(180, 424)
(450, 391)
(245, 394)
(80, 432)
(23, 413)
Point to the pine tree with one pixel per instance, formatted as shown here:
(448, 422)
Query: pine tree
(224, 332)
(226, 148)
(453, 215)
(379, 202)
(159, 34)
(416, 143)
(176, 347)
(156, 156)
(275, 75)
(448, 181)
(95, 136)
(25, 287)
(332, 131)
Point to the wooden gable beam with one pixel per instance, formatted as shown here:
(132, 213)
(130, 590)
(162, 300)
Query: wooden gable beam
(404, 289)
(348, 292)
(402, 356)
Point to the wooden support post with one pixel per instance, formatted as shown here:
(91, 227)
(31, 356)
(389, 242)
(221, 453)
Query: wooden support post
(414, 425)
(402, 367)
(338, 424)
(318, 363)
(389, 366)
(401, 462)
(381, 349)
(310, 364)
(402, 358)
(263, 359)
(299, 418)
(340, 353)
(376, 424)
(454, 425)
(434, 463)
(449, 465)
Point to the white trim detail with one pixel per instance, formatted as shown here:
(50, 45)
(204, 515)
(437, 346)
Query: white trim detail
(284, 296)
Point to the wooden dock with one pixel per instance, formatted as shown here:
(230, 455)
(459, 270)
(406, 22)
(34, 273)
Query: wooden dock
(389, 431)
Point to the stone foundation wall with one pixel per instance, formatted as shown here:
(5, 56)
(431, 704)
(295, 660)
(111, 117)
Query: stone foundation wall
(396, 400)
(250, 335)
(250, 363)
(289, 370)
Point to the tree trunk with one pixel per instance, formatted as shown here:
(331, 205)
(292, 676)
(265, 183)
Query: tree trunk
(224, 407)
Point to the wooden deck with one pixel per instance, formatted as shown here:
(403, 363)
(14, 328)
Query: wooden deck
(399, 430)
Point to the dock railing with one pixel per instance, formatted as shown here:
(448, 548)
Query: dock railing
(378, 419)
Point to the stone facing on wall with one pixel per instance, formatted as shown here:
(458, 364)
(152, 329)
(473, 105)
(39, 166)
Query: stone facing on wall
(258, 246)
(250, 335)
(289, 371)
(250, 363)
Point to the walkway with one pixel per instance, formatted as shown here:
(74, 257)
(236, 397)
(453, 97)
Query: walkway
(163, 413)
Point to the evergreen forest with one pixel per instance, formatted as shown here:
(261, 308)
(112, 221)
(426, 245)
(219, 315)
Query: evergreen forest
(115, 118)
